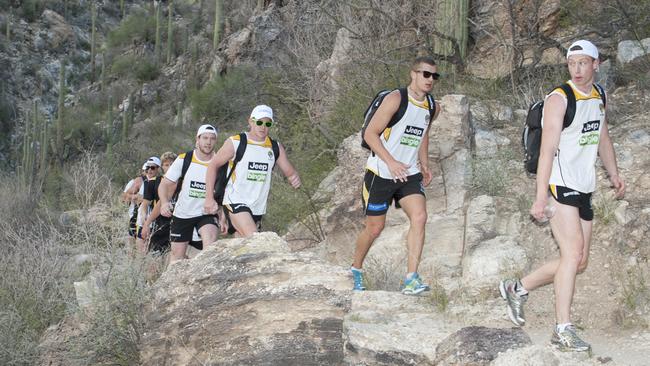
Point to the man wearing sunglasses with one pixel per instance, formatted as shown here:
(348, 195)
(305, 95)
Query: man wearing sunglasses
(188, 210)
(247, 190)
(151, 172)
(398, 170)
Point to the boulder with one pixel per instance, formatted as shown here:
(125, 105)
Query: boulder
(491, 260)
(478, 345)
(632, 50)
(388, 328)
(247, 301)
(59, 31)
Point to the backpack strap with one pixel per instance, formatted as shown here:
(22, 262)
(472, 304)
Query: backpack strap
(275, 146)
(601, 92)
(239, 154)
(187, 160)
(403, 104)
(570, 105)
(432, 107)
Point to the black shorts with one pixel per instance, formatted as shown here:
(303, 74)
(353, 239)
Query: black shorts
(159, 238)
(182, 229)
(237, 208)
(571, 197)
(378, 193)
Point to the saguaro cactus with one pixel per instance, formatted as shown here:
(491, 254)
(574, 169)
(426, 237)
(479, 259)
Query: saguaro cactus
(122, 9)
(157, 44)
(452, 22)
(170, 34)
(93, 35)
(218, 10)
(108, 128)
(8, 30)
(60, 113)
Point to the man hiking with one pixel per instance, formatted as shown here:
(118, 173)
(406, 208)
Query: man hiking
(156, 224)
(566, 178)
(247, 190)
(398, 169)
(188, 209)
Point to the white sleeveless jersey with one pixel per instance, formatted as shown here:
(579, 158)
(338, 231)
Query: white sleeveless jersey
(575, 159)
(403, 139)
(192, 195)
(251, 182)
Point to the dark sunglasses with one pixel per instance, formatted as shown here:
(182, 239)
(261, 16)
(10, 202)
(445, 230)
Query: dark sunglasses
(260, 122)
(151, 167)
(428, 74)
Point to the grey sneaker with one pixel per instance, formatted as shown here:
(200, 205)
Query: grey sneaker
(568, 340)
(515, 301)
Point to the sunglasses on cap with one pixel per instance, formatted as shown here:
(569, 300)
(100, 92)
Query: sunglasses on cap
(260, 122)
(428, 74)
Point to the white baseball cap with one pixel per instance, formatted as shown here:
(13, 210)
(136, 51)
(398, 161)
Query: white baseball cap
(582, 47)
(152, 161)
(262, 111)
(144, 166)
(206, 129)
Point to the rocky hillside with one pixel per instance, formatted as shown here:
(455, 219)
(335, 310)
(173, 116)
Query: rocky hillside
(138, 90)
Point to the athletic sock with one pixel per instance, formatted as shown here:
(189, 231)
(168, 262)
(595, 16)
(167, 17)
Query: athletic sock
(519, 289)
(353, 268)
(410, 275)
(561, 327)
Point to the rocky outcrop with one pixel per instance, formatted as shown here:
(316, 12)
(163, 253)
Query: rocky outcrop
(478, 346)
(248, 301)
(632, 51)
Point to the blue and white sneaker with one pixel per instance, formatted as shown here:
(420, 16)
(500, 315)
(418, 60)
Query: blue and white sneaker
(357, 275)
(414, 285)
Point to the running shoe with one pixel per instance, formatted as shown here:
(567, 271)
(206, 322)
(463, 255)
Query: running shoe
(414, 286)
(357, 275)
(515, 301)
(569, 341)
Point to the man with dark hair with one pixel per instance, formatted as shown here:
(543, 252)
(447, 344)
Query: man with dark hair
(398, 169)
(565, 183)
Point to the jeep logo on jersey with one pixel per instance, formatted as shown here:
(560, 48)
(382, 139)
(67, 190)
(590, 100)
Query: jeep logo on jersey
(591, 126)
(262, 167)
(197, 185)
(416, 131)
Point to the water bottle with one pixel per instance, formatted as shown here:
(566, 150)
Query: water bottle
(549, 211)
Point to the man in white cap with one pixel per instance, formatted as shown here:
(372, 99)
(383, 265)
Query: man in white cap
(151, 168)
(132, 195)
(566, 178)
(188, 208)
(247, 189)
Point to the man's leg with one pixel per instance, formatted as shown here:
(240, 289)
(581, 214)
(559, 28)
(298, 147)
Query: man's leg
(367, 236)
(178, 251)
(208, 234)
(414, 205)
(243, 222)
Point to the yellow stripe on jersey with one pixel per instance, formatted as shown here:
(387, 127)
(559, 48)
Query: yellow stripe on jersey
(181, 156)
(387, 133)
(424, 104)
(266, 143)
(197, 161)
(579, 96)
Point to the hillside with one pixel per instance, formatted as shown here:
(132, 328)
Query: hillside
(90, 89)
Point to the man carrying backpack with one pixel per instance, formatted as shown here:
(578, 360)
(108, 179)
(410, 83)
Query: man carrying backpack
(398, 168)
(566, 173)
(188, 209)
(251, 157)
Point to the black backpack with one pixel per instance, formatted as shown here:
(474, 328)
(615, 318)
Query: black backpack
(531, 138)
(222, 173)
(376, 102)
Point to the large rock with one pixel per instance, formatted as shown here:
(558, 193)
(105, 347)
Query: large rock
(60, 31)
(493, 259)
(632, 50)
(247, 301)
(388, 328)
(478, 345)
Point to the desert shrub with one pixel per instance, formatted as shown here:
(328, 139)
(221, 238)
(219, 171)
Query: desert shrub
(604, 205)
(490, 174)
(137, 67)
(139, 27)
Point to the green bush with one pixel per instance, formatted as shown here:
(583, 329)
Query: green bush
(137, 27)
(134, 66)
